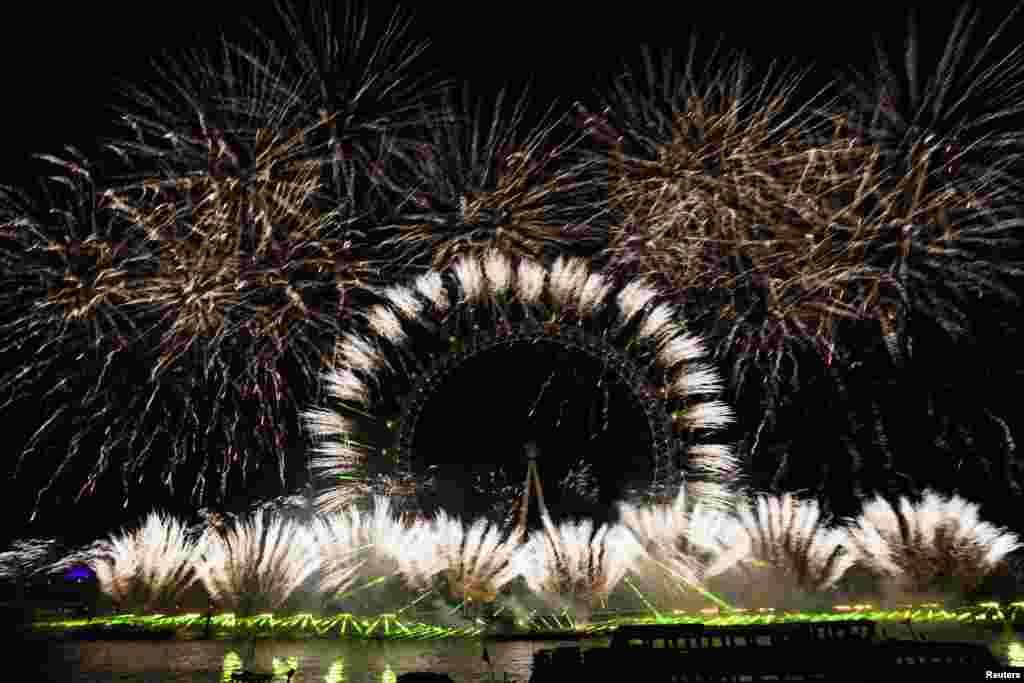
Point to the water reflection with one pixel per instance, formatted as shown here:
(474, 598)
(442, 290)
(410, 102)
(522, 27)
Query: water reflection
(314, 660)
(1011, 647)
(336, 672)
(349, 661)
(232, 664)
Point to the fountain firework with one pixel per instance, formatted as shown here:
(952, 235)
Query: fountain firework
(477, 560)
(576, 563)
(789, 539)
(150, 567)
(938, 545)
(686, 542)
(257, 563)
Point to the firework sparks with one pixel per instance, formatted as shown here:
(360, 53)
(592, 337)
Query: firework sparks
(779, 225)
(574, 561)
(213, 257)
(355, 544)
(913, 544)
(257, 563)
(941, 180)
(71, 267)
(359, 100)
(478, 559)
(476, 186)
(27, 557)
(713, 197)
(789, 535)
(690, 540)
(150, 567)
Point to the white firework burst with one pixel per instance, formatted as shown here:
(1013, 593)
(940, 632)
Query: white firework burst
(498, 270)
(531, 278)
(356, 544)
(257, 563)
(917, 547)
(688, 538)
(633, 298)
(342, 553)
(405, 301)
(790, 536)
(386, 324)
(471, 279)
(431, 286)
(574, 562)
(476, 560)
(681, 349)
(150, 567)
(595, 291)
(568, 277)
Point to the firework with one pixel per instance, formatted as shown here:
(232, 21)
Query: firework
(358, 545)
(932, 249)
(70, 268)
(478, 559)
(478, 185)
(341, 553)
(790, 536)
(573, 561)
(150, 567)
(914, 545)
(361, 101)
(257, 563)
(568, 303)
(718, 189)
(943, 174)
(721, 182)
(28, 557)
(217, 256)
(689, 540)
(786, 226)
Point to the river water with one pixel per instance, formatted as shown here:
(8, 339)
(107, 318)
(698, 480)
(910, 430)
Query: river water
(333, 661)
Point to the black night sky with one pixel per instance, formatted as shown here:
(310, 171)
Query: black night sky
(62, 69)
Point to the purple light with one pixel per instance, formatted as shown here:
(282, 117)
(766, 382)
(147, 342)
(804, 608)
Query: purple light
(79, 572)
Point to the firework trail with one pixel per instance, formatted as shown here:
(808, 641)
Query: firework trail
(257, 563)
(28, 557)
(942, 169)
(913, 545)
(362, 101)
(480, 184)
(484, 301)
(250, 266)
(790, 536)
(689, 539)
(150, 567)
(933, 250)
(70, 269)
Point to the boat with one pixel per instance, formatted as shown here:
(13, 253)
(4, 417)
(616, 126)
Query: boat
(830, 651)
